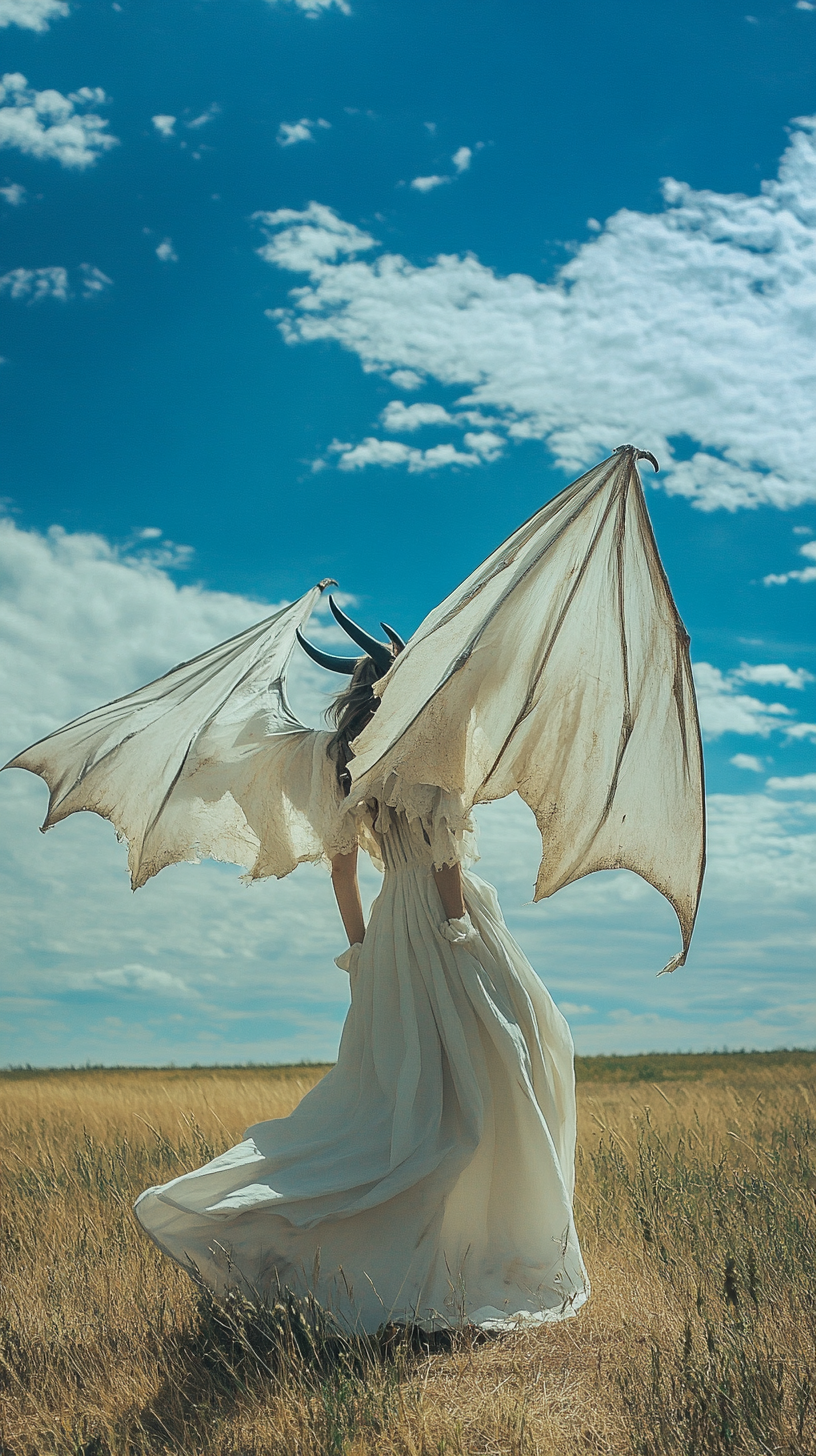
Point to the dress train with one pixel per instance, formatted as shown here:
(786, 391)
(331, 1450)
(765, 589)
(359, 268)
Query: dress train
(428, 1177)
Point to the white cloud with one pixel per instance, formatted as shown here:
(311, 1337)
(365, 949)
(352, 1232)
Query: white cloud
(290, 133)
(476, 417)
(803, 783)
(808, 573)
(399, 417)
(751, 846)
(462, 158)
(136, 977)
(63, 592)
(213, 110)
(406, 379)
(31, 14)
(694, 321)
(94, 281)
(35, 284)
(165, 125)
(772, 674)
(166, 252)
(724, 710)
(168, 556)
(804, 5)
(314, 8)
(486, 443)
(392, 452)
(427, 184)
(46, 124)
(88, 96)
(311, 241)
(748, 761)
(402, 418)
(14, 193)
(801, 732)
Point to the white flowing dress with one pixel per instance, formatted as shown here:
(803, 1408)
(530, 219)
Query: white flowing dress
(428, 1177)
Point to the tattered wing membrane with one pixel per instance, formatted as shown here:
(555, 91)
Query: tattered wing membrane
(185, 766)
(560, 670)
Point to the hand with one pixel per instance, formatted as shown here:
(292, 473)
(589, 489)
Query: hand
(459, 930)
(348, 960)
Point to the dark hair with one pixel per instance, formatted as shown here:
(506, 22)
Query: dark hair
(351, 711)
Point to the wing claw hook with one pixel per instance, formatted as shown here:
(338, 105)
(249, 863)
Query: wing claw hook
(638, 454)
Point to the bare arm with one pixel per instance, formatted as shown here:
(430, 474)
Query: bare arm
(449, 884)
(347, 894)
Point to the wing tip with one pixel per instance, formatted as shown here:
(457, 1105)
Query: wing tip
(675, 963)
(638, 455)
(18, 762)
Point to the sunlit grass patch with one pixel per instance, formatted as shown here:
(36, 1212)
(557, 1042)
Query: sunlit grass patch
(696, 1210)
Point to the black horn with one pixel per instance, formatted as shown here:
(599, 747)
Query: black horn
(380, 654)
(327, 659)
(394, 637)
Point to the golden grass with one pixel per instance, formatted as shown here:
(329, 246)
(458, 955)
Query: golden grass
(695, 1207)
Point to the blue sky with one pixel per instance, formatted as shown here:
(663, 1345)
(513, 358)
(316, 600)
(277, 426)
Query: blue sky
(494, 285)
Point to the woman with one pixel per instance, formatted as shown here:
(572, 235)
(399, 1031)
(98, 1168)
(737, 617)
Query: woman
(428, 1177)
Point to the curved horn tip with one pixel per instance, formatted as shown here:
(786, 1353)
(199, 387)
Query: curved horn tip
(393, 637)
(327, 581)
(379, 652)
(345, 665)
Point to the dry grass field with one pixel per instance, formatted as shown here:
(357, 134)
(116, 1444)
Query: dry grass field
(696, 1206)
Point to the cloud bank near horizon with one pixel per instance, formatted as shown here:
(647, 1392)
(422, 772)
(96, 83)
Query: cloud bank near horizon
(198, 967)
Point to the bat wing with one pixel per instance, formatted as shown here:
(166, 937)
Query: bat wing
(208, 760)
(558, 670)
